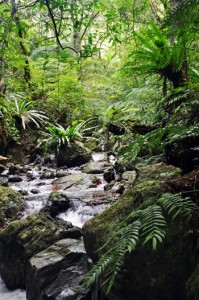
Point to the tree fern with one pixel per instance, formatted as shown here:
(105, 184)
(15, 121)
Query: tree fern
(157, 53)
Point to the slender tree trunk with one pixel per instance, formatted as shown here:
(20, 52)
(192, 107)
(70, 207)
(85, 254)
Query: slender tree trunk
(27, 73)
(2, 85)
(76, 30)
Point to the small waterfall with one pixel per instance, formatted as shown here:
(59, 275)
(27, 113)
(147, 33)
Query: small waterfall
(81, 212)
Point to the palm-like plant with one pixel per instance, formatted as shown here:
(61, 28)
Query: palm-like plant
(57, 135)
(23, 110)
(26, 112)
(159, 54)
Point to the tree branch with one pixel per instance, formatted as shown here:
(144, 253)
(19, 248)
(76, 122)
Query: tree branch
(29, 5)
(91, 19)
(55, 28)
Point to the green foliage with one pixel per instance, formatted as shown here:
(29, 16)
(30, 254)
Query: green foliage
(57, 135)
(157, 139)
(8, 129)
(176, 206)
(24, 110)
(145, 225)
(157, 54)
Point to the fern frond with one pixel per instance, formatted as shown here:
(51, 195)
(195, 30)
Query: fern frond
(126, 244)
(176, 205)
(96, 270)
(110, 263)
(153, 225)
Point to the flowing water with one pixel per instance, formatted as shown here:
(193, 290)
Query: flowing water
(83, 198)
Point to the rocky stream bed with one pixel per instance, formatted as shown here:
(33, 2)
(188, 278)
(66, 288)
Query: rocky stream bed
(50, 196)
(46, 213)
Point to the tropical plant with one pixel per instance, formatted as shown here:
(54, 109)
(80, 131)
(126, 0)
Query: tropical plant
(26, 112)
(8, 129)
(156, 53)
(57, 135)
(146, 224)
(157, 139)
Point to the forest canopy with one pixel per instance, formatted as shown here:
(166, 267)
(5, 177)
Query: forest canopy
(117, 61)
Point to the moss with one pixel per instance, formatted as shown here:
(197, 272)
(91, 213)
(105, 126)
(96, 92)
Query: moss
(159, 171)
(11, 205)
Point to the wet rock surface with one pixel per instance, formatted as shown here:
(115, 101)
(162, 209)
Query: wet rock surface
(57, 272)
(12, 206)
(57, 203)
(77, 180)
(22, 239)
(93, 168)
(2, 168)
(15, 179)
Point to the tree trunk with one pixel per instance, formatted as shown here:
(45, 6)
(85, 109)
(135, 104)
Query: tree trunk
(27, 73)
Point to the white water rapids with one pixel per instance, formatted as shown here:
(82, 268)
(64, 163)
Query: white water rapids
(80, 213)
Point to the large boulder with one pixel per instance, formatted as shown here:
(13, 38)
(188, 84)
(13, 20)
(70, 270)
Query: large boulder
(57, 203)
(57, 272)
(78, 181)
(20, 240)
(72, 156)
(12, 205)
(18, 154)
(147, 275)
(96, 168)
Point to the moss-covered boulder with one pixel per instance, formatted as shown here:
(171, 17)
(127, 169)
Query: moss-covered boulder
(11, 205)
(20, 240)
(72, 156)
(147, 275)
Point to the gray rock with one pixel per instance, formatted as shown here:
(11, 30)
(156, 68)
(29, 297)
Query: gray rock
(34, 191)
(47, 175)
(15, 179)
(109, 175)
(95, 168)
(57, 203)
(21, 240)
(13, 170)
(57, 272)
(72, 156)
(129, 176)
(2, 168)
(77, 180)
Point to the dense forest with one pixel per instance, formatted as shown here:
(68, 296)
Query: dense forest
(120, 76)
